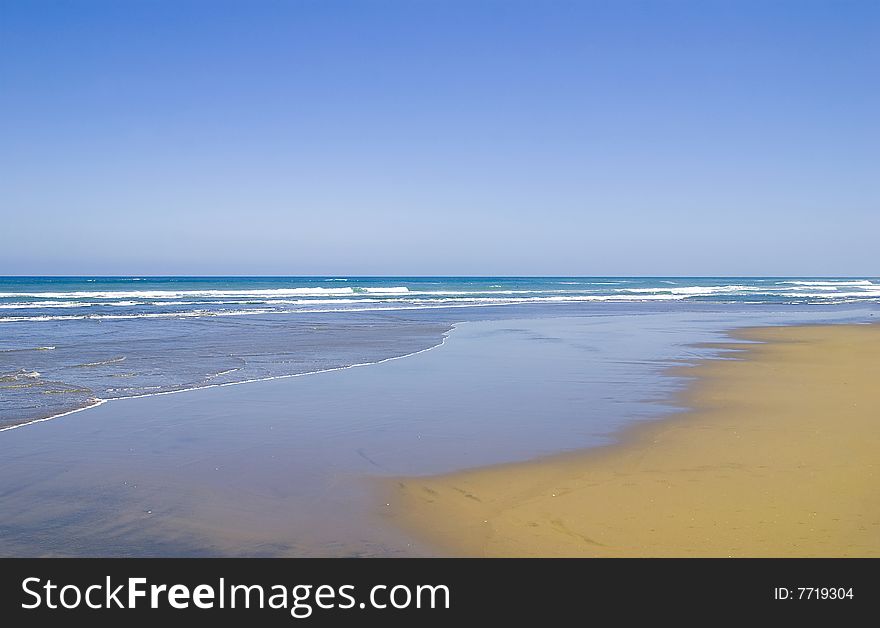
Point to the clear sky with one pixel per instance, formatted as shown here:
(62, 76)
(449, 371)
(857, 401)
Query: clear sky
(419, 137)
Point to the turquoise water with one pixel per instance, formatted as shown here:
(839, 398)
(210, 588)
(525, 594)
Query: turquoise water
(36, 299)
(70, 342)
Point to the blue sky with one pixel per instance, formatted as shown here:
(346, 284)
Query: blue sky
(322, 137)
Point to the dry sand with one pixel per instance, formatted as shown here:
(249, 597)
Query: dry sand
(778, 456)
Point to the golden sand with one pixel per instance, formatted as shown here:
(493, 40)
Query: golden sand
(778, 456)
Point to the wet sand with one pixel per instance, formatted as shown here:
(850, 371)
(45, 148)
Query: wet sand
(778, 456)
(287, 467)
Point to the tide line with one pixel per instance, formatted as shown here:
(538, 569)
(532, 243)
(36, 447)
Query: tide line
(99, 401)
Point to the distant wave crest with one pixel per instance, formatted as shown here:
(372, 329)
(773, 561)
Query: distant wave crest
(240, 299)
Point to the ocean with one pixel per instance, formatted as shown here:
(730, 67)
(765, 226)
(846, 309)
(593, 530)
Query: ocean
(67, 343)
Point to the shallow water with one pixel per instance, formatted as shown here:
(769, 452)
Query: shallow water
(68, 341)
(285, 467)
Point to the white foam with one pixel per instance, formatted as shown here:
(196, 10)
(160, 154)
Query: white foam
(221, 373)
(856, 282)
(207, 303)
(104, 362)
(25, 305)
(21, 373)
(102, 317)
(97, 402)
(393, 290)
(692, 290)
(477, 292)
(176, 294)
(840, 295)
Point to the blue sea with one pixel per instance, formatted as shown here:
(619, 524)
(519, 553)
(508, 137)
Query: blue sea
(71, 342)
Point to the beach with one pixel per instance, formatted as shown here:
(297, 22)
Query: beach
(777, 455)
(288, 466)
(216, 433)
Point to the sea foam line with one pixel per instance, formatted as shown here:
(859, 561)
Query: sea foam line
(98, 401)
(426, 304)
(868, 298)
(174, 294)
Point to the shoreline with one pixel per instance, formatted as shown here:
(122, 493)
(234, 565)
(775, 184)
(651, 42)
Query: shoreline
(716, 479)
(448, 322)
(100, 401)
